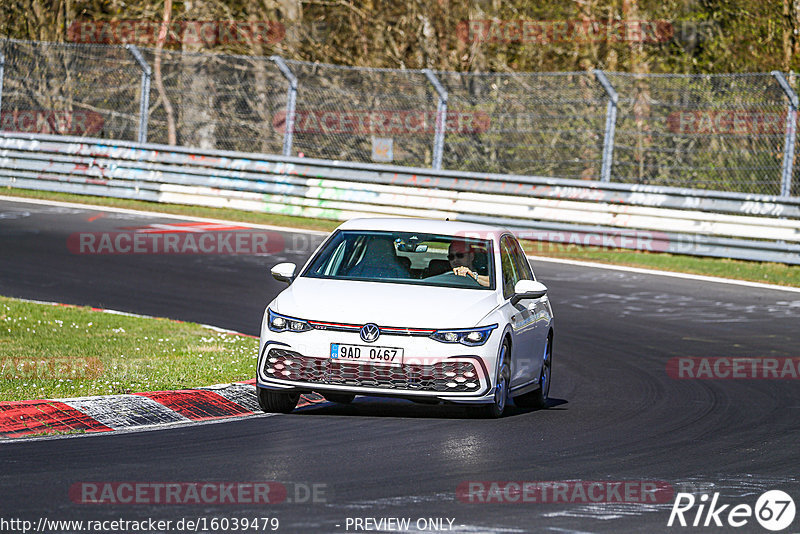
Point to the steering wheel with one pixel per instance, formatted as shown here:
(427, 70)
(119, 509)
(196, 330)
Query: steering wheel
(450, 277)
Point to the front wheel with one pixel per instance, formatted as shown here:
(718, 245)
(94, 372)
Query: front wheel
(498, 406)
(277, 401)
(538, 398)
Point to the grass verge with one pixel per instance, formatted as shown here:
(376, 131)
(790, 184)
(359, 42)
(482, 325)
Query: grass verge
(768, 273)
(64, 351)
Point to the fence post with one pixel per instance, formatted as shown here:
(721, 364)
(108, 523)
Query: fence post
(2, 73)
(144, 98)
(441, 118)
(791, 132)
(291, 102)
(611, 125)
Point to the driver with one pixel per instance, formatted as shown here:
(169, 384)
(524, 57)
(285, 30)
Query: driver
(461, 256)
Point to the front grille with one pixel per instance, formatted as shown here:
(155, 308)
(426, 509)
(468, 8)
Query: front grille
(446, 376)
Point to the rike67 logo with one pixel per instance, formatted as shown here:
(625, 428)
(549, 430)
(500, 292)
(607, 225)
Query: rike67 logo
(774, 510)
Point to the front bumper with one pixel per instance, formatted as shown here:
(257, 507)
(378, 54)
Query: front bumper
(432, 370)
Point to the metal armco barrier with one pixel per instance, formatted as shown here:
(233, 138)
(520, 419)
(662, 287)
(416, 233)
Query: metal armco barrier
(549, 210)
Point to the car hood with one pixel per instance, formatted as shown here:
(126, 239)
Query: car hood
(385, 304)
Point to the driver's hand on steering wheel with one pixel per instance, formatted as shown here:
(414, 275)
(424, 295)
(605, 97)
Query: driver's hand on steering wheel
(462, 270)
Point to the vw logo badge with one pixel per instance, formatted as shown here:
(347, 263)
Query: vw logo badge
(370, 332)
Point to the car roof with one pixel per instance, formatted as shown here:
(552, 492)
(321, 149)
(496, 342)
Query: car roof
(431, 226)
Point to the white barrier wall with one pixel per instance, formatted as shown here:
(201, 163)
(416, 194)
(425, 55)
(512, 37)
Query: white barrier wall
(659, 219)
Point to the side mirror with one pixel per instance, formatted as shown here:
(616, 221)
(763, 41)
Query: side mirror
(284, 272)
(528, 289)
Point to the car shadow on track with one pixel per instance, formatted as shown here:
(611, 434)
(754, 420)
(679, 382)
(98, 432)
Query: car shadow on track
(386, 407)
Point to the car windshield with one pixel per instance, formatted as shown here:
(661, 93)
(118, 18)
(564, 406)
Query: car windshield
(405, 258)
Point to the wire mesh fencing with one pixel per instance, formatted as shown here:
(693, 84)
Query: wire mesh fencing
(214, 101)
(548, 124)
(84, 90)
(726, 132)
(359, 114)
(701, 132)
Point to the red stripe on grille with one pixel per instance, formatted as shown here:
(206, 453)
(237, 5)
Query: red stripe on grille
(392, 329)
(414, 330)
(339, 325)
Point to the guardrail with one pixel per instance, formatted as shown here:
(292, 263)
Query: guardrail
(639, 217)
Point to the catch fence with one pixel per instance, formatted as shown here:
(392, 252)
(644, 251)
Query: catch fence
(723, 132)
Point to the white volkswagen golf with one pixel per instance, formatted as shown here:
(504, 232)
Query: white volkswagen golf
(426, 310)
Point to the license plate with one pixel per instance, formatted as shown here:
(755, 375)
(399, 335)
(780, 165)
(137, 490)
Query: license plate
(366, 354)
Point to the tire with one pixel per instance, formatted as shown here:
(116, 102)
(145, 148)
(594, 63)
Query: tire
(277, 401)
(495, 409)
(339, 398)
(538, 398)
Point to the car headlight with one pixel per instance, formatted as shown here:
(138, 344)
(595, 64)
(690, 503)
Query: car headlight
(283, 323)
(468, 336)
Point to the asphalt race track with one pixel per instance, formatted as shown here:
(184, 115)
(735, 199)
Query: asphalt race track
(616, 414)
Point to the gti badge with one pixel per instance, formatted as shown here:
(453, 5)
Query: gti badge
(370, 332)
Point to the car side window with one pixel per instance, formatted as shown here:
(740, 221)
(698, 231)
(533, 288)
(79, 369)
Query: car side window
(521, 262)
(510, 276)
